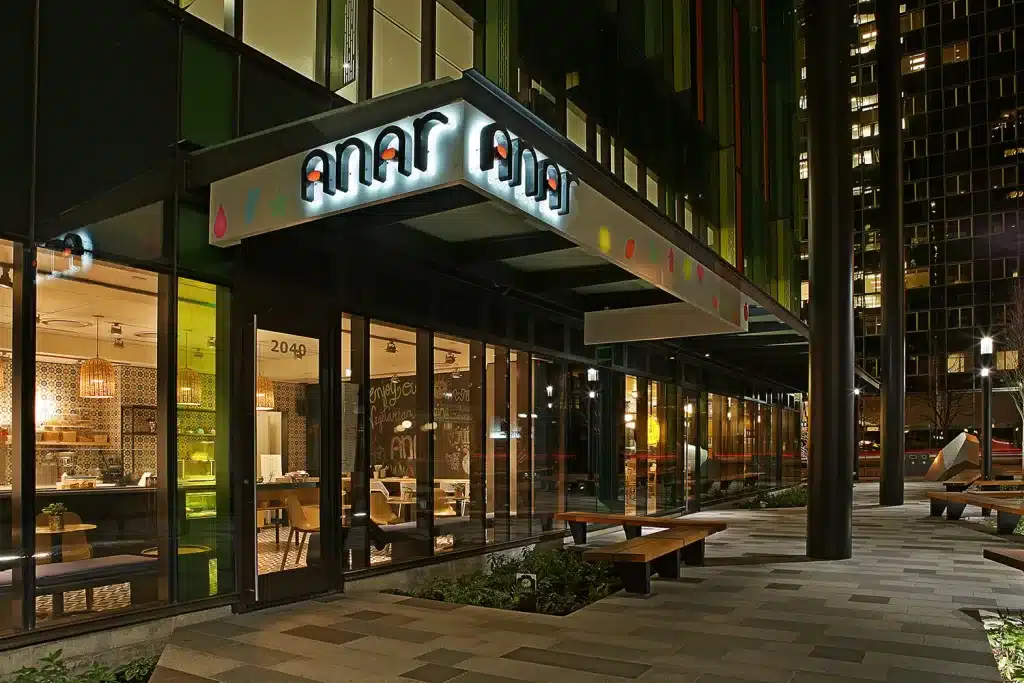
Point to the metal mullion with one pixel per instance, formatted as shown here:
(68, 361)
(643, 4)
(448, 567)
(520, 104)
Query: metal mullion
(167, 504)
(428, 40)
(23, 503)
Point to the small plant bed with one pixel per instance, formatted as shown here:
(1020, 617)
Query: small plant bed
(795, 497)
(1006, 636)
(53, 669)
(565, 583)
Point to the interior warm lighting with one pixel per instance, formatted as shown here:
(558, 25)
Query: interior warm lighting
(264, 393)
(5, 278)
(96, 377)
(653, 431)
(190, 388)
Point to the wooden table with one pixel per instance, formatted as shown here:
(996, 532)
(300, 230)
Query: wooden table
(57, 549)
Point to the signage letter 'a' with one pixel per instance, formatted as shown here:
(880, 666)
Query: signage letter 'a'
(518, 162)
(317, 167)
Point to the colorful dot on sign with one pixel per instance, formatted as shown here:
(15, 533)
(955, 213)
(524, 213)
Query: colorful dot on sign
(630, 247)
(671, 260)
(604, 240)
(313, 176)
(687, 268)
(714, 302)
(502, 151)
(220, 223)
(388, 153)
(746, 311)
(700, 272)
(553, 182)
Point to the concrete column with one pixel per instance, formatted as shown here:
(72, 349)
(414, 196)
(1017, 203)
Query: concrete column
(890, 224)
(830, 462)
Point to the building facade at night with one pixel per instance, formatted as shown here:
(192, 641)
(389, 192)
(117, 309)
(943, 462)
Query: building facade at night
(298, 293)
(962, 196)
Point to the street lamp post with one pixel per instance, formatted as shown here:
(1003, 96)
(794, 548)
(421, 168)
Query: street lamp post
(986, 407)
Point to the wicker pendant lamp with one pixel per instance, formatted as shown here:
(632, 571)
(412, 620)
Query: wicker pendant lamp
(96, 376)
(190, 387)
(264, 393)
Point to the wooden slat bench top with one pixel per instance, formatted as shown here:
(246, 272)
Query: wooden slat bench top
(646, 548)
(638, 520)
(993, 500)
(1011, 557)
(965, 477)
(996, 483)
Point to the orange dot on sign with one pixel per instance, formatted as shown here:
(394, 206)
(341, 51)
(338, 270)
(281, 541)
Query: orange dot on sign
(313, 176)
(553, 183)
(502, 151)
(389, 153)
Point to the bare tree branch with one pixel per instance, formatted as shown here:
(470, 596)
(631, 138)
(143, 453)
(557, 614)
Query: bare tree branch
(943, 405)
(1013, 341)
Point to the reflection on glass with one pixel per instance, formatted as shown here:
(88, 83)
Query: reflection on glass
(353, 477)
(9, 613)
(629, 477)
(458, 475)
(205, 540)
(96, 437)
(287, 451)
(399, 489)
(396, 46)
(454, 44)
(547, 438)
(285, 32)
(498, 448)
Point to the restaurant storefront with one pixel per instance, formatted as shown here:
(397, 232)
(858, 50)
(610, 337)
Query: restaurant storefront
(390, 340)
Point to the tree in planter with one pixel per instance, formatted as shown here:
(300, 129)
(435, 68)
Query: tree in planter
(942, 404)
(1012, 341)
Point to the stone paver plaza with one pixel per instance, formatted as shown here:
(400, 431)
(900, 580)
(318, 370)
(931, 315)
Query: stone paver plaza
(899, 611)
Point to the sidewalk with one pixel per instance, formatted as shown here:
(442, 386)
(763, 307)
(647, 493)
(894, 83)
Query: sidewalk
(760, 611)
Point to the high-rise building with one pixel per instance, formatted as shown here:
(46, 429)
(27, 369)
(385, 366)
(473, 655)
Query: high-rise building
(962, 141)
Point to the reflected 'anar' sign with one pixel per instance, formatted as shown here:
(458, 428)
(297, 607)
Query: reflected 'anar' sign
(394, 146)
(518, 164)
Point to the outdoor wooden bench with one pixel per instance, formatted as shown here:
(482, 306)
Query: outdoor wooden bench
(1009, 506)
(662, 553)
(962, 480)
(1011, 557)
(632, 525)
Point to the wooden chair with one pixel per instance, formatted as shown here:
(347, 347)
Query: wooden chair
(74, 546)
(442, 506)
(299, 524)
(380, 512)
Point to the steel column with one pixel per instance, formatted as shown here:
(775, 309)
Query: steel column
(890, 219)
(830, 462)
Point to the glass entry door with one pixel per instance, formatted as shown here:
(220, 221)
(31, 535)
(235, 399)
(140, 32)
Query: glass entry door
(289, 460)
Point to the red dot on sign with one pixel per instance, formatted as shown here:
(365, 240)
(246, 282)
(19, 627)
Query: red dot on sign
(502, 151)
(671, 260)
(389, 153)
(746, 312)
(313, 176)
(553, 183)
(220, 223)
(630, 247)
(714, 302)
(700, 273)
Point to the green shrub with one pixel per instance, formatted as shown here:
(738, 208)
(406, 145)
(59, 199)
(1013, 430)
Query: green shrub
(795, 497)
(1006, 637)
(53, 669)
(565, 582)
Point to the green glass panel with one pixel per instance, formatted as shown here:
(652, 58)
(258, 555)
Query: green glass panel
(207, 92)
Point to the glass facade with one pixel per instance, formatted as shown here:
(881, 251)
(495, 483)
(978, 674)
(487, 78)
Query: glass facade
(176, 445)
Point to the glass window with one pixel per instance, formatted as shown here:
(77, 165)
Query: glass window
(548, 423)
(1006, 360)
(459, 516)
(354, 484)
(575, 125)
(10, 616)
(288, 428)
(96, 436)
(521, 467)
(210, 11)
(630, 170)
(285, 32)
(398, 432)
(630, 465)
(913, 62)
(955, 362)
(206, 533)
(497, 450)
(588, 468)
(957, 52)
(454, 43)
(396, 46)
(652, 188)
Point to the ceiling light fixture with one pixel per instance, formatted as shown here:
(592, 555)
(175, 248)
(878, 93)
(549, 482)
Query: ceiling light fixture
(96, 376)
(211, 342)
(391, 347)
(119, 343)
(115, 329)
(190, 385)
(449, 358)
(6, 281)
(264, 393)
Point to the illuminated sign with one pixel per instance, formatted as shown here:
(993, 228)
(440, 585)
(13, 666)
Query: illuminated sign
(394, 146)
(518, 164)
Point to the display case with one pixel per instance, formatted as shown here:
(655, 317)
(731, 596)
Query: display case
(200, 504)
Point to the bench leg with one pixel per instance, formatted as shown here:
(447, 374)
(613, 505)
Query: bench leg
(632, 530)
(938, 507)
(693, 554)
(1006, 522)
(144, 589)
(636, 577)
(986, 512)
(579, 532)
(954, 510)
(667, 566)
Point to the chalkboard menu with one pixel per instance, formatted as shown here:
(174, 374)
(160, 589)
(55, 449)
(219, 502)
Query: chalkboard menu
(394, 425)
